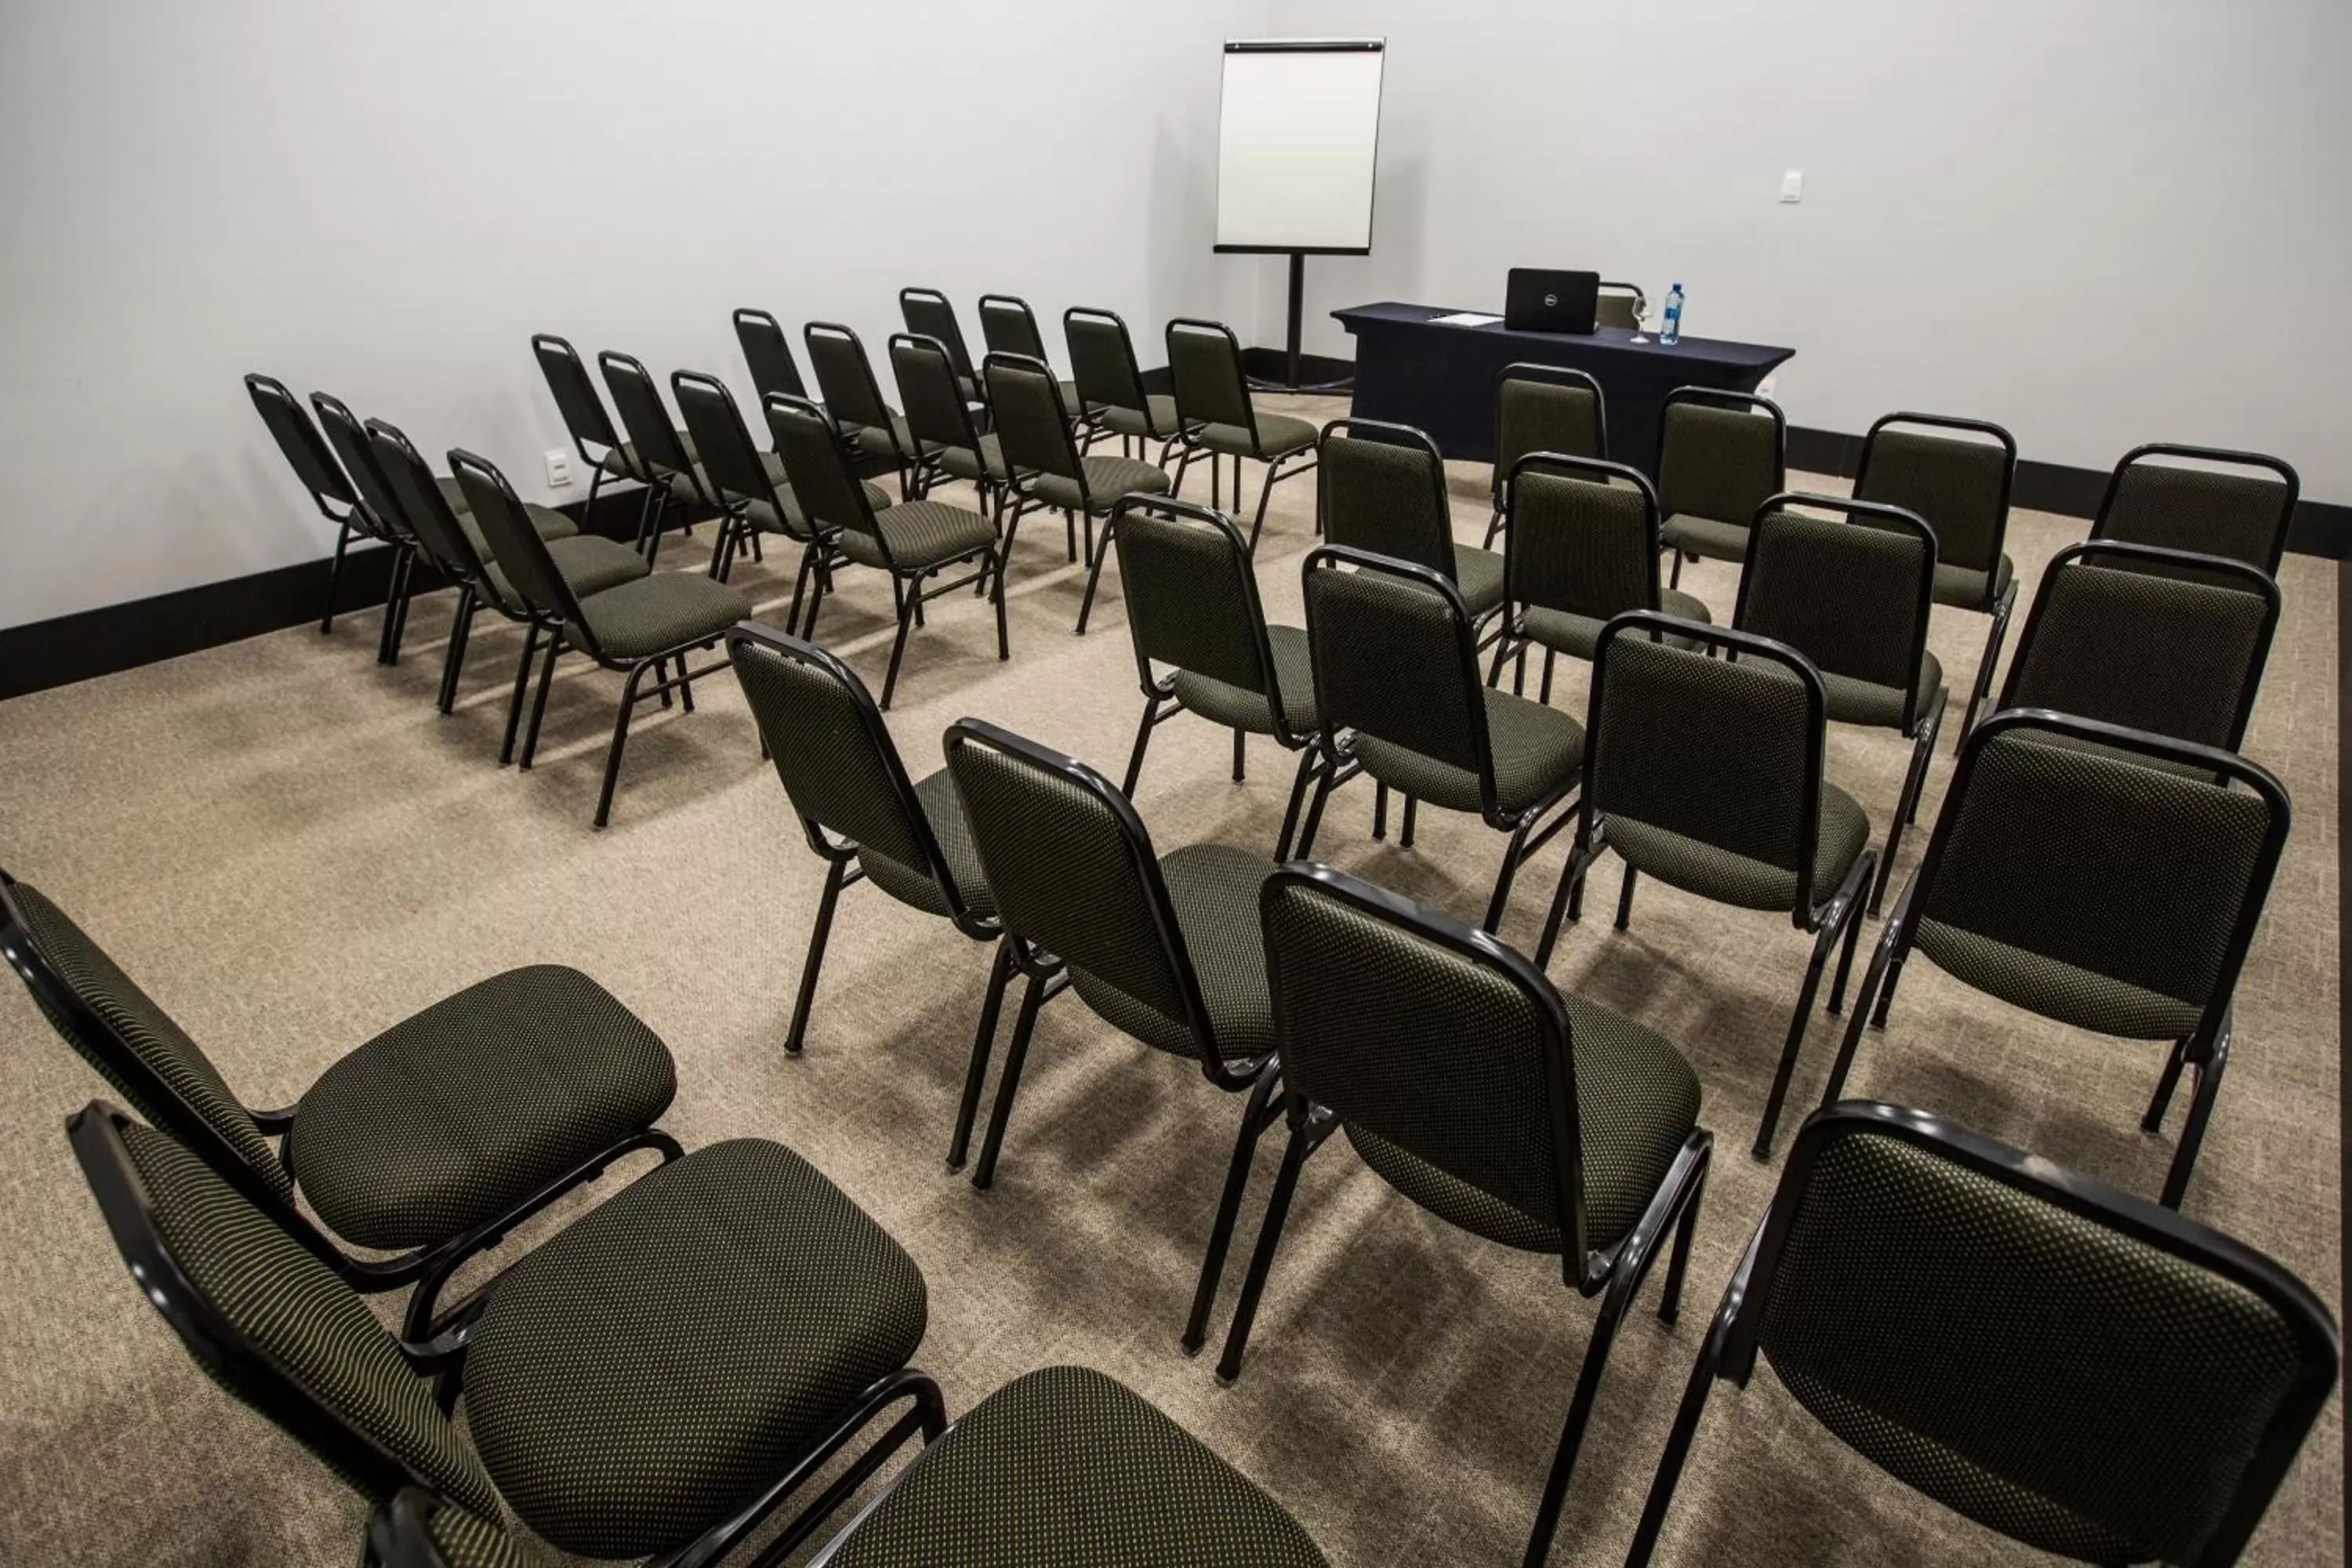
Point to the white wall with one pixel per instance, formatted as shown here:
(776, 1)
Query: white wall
(387, 200)
(2082, 218)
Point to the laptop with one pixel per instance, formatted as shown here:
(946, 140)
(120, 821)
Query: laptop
(1540, 300)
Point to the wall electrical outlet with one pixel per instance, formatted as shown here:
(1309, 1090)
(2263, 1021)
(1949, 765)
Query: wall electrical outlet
(559, 469)
(1792, 185)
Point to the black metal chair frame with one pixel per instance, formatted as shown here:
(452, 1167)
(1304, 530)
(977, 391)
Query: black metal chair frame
(736, 529)
(2283, 469)
(426, 1268)
(581, 409)
(1615, 1275)
(2170, 563)
(673, 477)
(833, 401)
(343, 431)
(1730, 1349)
(1340, 763)
(1160, 702)
(959, 351)
(2000, 603)
(2207, 1049)
(1130, 396)
(1189, 430)
(249, 1372)
(1920, 729)
(772, 365)
(925, 466)
(907, 595)
(1046, 977)
(1839, 916)
(329, 487)
(1499, 482)
(1441, 545)
(1720, 397)
(1512, 641)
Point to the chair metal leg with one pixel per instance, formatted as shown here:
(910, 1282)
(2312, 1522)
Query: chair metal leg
(1567, 899)
(996, 592)
(1993, 640)
(1308, 1131)
(1264, 494)
(1906, 808)
(1626, 898)
(1240, 755)
(620, 739)
(2169, 1080)
(539, 703)
(1307, 764)
(1670, 1463)
(1404, 827)
(1511, 857)
(1876, 981)
(796, 1036)
(2193, 1131)
(1142, 742)
(983, 1045)
(1494, 527)
(1843, 908)
(521, 685)
(1261, 1112)
(908, 597)
(453, 656)
(1099, 553)
(1008, 1081)
(1323, 781)
(1380, 809)
(334, 578)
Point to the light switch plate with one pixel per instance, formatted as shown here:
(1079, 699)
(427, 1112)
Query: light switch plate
(1792, 185)
(559, 469)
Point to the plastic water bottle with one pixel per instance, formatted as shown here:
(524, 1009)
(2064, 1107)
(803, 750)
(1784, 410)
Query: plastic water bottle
(1671, 333)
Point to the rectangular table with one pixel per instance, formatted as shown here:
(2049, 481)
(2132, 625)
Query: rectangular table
(1441, 379)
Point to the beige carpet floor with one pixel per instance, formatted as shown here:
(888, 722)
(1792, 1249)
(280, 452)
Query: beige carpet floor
(291, 850)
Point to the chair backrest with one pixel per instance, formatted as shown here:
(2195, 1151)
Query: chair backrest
(1032, 426)
(133, 1044)
(1724, 751)
(2239, 506)
(1578, 543)
(1072, 870)
(769, 353)
(2076, 1368)
(835, 755)
(2058, 841)
(2147, 638)
(815, 455)
(1192, 598)
(1720, 453)
(930, 314)
(729, 457)
(575, 396)
(845, 377)
(1394, 659)
(1619, 305)
(1102, 360)
(1204, 363)
(1008, 326)
(425, 510)
(520, 552)
(648, 424)
(1958, 482)
(1546, 408)
(263, 1311)
(349, 439)
(1432, 1035)
(1383, 489)
(936, 413)
(1851, 592)
(313, 463)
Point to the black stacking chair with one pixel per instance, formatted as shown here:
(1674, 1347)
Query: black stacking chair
(340, 425)
(1108, 385)
(2094, 889)
(1583, 548)
(863, 817)
(633, 629)
(429, 1141)
(1542, 408)
(1853, 593)
(627, 1390)
(2077, 1369)
(1192, 605)
(1163, 949)
(1955, 475)
(2149, 639)
(1706, 773)
(2238, 506)
(1396, 678)
(450, 540)
(1542, 1121)
(601, 451)
(1215, 416)
(661, 449)
(1008, 326)
(1621, 305)
(1384, 490)
(1061, 1466)
(929, 313)
(1721, 455)
(848, 392)
(1048, 470)
(939, 418)
(328, 486)
(912, 542)
(769, 353)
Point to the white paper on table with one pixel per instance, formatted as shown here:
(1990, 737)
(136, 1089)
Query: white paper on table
(1462, 318)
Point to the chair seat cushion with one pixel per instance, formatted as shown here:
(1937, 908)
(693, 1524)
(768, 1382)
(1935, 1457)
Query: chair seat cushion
(1536, 750)
(921, 533)
(1851, 701)
(1215, 890)
(1968, 588)
(545, 521)
(1636, 1101)
(1696, 535)
(781, 512)
(1700, 868)
(1577, 635)
(963, 463)
(453, 1117)
(1278, 434)
(589, 563)
(1159, 424)
(623, 462)
(666, 611)
(943, 808)
(1479, 575)
(676, 1349)
(2055, 988)
(1064, 1465)
(874, 441)
(1109, 477)
(1237, 709)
